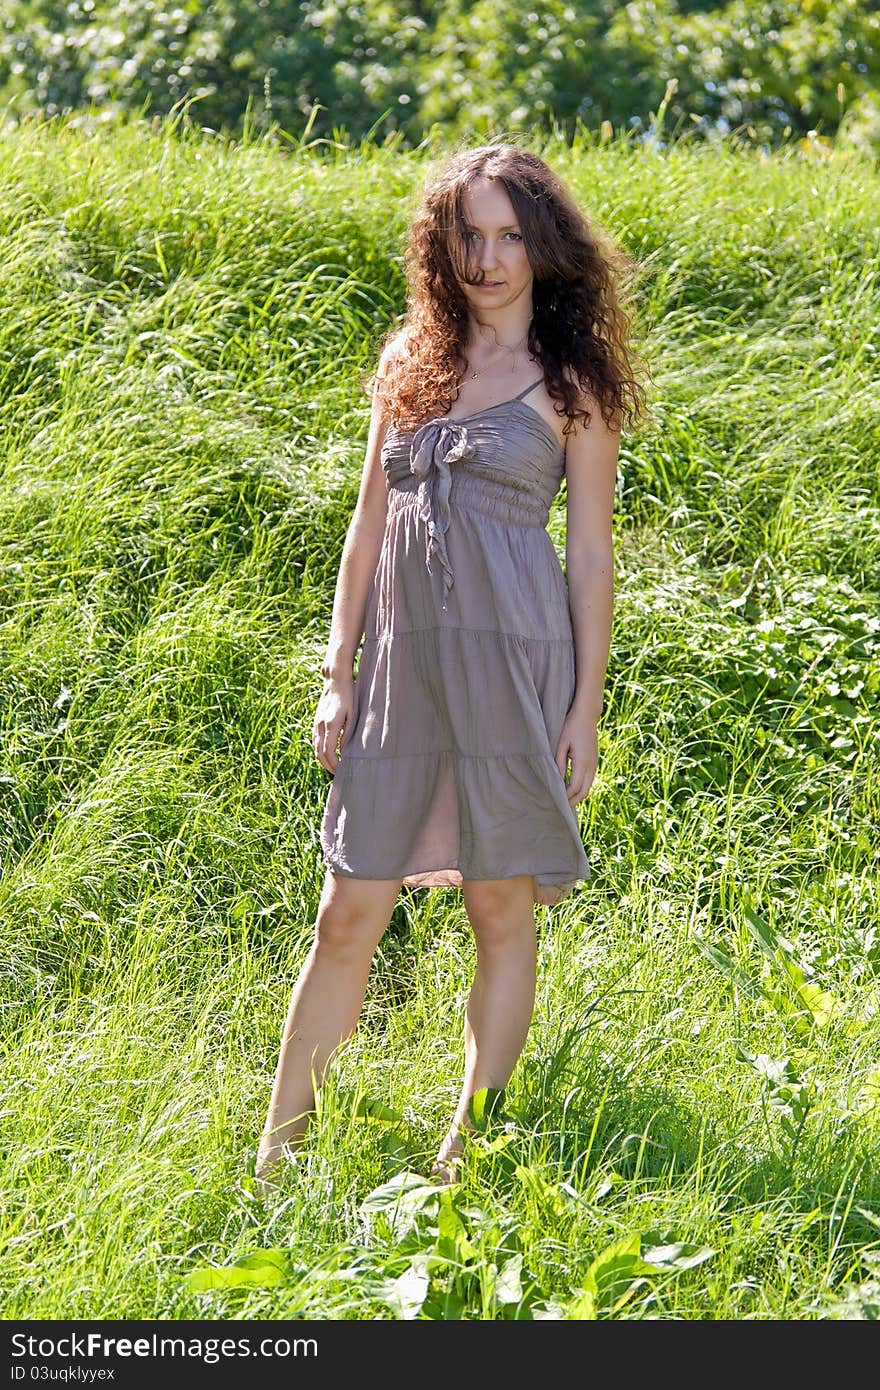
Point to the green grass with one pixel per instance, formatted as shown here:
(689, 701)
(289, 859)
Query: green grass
(183, 326)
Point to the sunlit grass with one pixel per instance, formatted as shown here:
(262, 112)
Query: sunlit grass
(183, 329)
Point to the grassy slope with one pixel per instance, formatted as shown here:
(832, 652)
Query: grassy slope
(182, 330)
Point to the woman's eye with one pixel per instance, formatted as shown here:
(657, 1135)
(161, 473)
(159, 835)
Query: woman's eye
(472, 236)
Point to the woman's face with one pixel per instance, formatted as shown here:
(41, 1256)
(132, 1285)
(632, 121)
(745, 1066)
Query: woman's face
(497, 254)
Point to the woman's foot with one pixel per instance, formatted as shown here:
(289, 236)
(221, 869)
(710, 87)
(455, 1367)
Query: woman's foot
(267, 1172)
(279, 1146)
(450, 1155)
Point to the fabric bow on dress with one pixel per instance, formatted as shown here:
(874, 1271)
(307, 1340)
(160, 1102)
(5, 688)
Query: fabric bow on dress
(436, 445)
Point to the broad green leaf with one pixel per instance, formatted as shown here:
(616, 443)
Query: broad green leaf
(762, 933)
(393, 1143)
(260, 1269)
(779, 1074)
(279, 1258)
(629, 1292)
(824, 1007)
(452, 1242)
(508, 1283)
(444, 1305)
(401, 1199)
(776, 1071)
(790, 1097)
(413, 1188)
(376, 1110)
(494, 1146)
(406, 1294)
(549, 1312)
(485, 1105)
(583, 1309)
(615, 1271)
(793, 971)
(676, 1255)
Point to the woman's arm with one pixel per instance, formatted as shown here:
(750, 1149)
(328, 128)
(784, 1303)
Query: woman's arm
(360, 556)
(591, 473)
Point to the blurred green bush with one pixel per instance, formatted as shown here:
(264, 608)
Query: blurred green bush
(776, 69)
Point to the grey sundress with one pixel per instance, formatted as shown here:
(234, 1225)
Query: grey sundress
(467, 668)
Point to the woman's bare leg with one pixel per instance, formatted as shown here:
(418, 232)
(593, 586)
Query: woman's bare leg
(502, 998)
(327, 999)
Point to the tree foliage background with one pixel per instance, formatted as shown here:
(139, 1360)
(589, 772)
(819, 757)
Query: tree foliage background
(773, 69)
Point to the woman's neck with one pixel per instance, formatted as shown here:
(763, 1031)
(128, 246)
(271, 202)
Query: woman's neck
(506, 332)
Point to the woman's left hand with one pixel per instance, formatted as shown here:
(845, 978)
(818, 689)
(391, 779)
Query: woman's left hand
(579, 742)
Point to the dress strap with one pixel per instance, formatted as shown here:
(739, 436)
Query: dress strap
(528, 389)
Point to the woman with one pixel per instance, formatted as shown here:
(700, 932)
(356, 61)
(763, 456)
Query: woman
(468, 737)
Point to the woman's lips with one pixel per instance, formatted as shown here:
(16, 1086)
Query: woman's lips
(490, 285)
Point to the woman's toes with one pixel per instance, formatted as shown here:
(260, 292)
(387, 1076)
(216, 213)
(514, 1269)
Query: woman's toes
(449, 1158)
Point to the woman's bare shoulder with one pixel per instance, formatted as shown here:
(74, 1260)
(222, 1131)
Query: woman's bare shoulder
(585, 400)
(394, 348)
(382, 379)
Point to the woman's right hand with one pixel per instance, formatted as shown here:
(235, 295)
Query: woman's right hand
(333, 719)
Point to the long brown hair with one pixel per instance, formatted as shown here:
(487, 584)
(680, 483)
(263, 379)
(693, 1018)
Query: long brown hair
(580, 326)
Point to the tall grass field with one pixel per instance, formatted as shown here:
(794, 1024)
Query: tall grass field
(692, 1131)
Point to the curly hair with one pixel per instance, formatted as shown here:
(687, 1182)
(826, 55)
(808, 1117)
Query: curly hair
(580, 327)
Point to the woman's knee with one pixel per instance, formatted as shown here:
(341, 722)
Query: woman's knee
(500, 910)
(353, 914)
